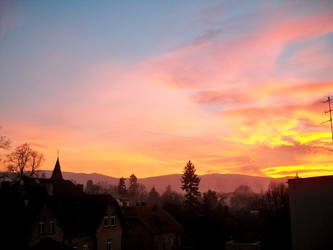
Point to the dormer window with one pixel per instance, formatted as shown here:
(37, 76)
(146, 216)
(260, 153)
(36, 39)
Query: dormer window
(106, 221)
(113, 220)
(42, 226)
(51, 226)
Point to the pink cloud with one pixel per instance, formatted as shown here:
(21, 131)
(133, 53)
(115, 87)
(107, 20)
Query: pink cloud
(246, 59)
(313, 60)
(223, 97)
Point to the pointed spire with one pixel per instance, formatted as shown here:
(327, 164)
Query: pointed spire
(57, 175)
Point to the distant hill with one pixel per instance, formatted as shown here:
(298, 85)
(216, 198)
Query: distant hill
(216, 182)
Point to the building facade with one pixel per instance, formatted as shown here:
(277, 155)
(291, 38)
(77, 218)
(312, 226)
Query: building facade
(56, 214)
(311, 212)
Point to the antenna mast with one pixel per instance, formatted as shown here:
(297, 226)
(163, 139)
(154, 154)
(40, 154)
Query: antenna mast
(329, 100)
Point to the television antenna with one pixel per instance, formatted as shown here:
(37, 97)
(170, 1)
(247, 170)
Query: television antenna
(329, 111)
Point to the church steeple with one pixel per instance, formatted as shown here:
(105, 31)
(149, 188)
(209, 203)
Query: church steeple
(56, 175)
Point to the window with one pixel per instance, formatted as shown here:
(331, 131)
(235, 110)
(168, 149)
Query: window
(109, 220)
(106, 221)
(109, 245)
(113, 220)
(51, 226)
(42, 226)
(85, 247)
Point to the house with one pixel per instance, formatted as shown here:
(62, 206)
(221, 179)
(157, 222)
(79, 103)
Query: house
(151, 228)
(55, 214)
(311, 212)
(44, 226)
(91, 222)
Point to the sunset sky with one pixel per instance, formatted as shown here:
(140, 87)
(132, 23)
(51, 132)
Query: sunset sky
(144, 86)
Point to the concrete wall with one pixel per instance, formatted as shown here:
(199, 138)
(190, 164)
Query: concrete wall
(311, 212)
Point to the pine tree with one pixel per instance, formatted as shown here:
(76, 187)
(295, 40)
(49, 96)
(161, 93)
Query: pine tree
(133, 188)
(122, 186)
(190, 184)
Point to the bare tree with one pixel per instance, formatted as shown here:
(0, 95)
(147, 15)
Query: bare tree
(24, 160)
(36, 161)
(276, 197)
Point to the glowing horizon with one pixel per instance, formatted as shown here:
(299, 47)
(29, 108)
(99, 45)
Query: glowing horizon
(144, 87)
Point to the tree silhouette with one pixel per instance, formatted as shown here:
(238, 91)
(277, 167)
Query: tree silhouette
(122, 186)
(133, 188)
(172, 201)
(153, 197)
(276, 198)
(242, 198)
(210, 200)
(190, 184)
(24, 160)
(92, 188)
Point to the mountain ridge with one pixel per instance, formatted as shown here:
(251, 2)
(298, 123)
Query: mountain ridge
(217, 182)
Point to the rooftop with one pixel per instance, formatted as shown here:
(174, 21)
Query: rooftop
(311, 179)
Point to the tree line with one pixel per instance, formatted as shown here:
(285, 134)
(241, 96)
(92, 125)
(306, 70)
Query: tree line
(212, 218)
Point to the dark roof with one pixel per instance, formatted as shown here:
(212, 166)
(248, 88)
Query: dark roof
(158, 221)
(311, 179)
(29, 180)
(60, 187)
(20, 207)
(66, 188)
(82, 216)
(56, 174)
(50, 244)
